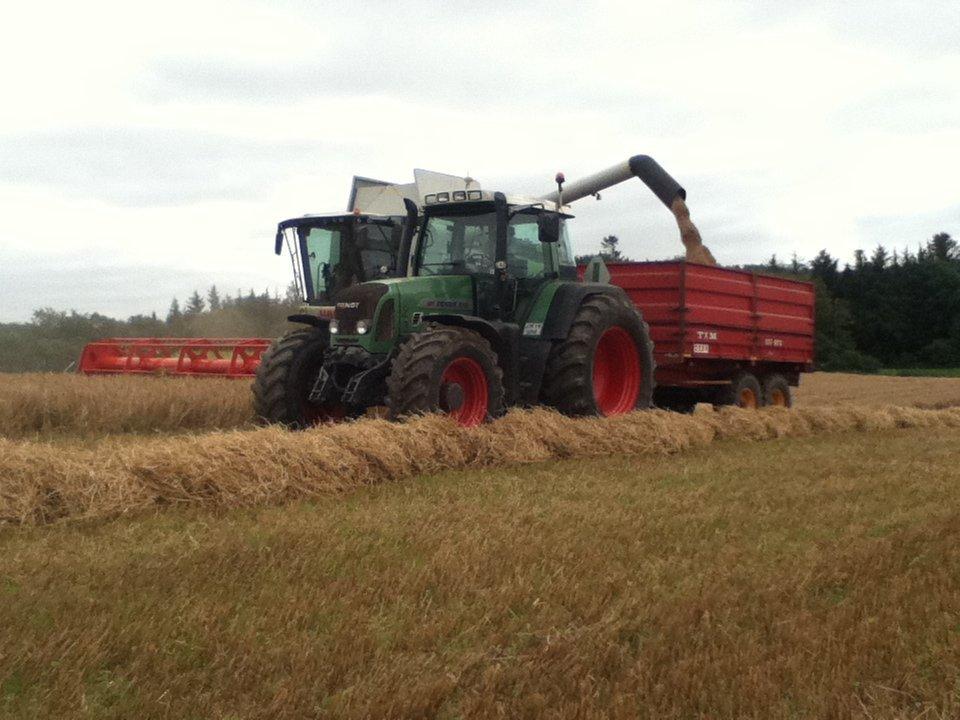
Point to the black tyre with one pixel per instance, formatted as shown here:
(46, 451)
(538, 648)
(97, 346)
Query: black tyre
(446, 369)
(285, 377)
(743, 392)
(605, 366)
(776, 391)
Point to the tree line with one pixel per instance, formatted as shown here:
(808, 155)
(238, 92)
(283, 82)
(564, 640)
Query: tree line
(53, 339)
(894, 308)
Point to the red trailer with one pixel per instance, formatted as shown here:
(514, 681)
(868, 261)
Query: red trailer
(721, 336)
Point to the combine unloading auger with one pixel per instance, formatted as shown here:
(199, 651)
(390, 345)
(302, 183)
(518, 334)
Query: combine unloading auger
(668, 190)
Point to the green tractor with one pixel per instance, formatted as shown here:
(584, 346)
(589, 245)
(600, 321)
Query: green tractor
(331, 253)
(490, 315)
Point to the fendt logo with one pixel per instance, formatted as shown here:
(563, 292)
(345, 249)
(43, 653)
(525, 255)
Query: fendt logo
(440, 304)
(347, 305)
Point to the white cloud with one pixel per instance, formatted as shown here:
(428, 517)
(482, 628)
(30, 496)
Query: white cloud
(162, 143)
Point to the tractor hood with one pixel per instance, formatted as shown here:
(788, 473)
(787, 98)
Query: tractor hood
(355, 303)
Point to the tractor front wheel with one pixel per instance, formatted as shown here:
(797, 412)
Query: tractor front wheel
(605, 366)
(285, 377)
(446, 369)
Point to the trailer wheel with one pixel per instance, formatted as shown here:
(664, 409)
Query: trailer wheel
(285, 377)
(776, 391)
(744, 391)
(605, 366)
(446, 369)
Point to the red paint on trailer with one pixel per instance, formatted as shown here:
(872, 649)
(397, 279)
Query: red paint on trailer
(708, 322)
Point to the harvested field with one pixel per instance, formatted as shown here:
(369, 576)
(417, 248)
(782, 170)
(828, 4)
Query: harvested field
(708, 584)
(60, 405)
(820, 389)
(43, 482)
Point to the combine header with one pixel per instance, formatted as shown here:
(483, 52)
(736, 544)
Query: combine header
(227, 357)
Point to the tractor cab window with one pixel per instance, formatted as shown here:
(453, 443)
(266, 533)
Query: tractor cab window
(527, 257)
(379, 245)
(566, 261)
(462, 244)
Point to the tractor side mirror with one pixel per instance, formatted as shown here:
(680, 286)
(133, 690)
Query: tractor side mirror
(278, 245)
(548, 225)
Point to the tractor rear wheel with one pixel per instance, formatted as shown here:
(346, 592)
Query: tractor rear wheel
(285, 377)
(605, 366)
(446, 369)
(776, 391)
(744, 391)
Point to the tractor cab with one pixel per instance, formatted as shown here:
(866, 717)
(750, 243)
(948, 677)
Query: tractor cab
(508, 247)
(332, 252)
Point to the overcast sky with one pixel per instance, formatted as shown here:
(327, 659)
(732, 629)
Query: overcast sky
(147, 149)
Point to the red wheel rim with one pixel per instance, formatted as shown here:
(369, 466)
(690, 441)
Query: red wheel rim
(472, 380)
(747, 399)
(616, 372)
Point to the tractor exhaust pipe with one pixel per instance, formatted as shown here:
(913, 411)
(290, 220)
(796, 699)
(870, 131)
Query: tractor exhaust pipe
(668, 190)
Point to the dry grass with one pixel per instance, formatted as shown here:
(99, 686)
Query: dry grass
(56, 404)
(40, 481)
(820, 389)
(812, 577)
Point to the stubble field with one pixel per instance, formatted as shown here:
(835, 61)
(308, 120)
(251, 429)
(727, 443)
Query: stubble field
(162, 557)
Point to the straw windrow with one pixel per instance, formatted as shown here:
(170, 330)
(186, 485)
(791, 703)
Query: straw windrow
(42, 481)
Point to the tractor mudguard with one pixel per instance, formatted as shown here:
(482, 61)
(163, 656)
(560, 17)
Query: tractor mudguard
(490, 331)
(311, 320)
(567, 300)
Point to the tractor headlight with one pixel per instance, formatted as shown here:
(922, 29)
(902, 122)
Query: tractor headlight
(334, 327)
(362, 327)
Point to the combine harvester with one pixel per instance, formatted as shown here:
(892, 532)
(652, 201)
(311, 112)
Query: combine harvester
(328, 252)
(494, 313)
